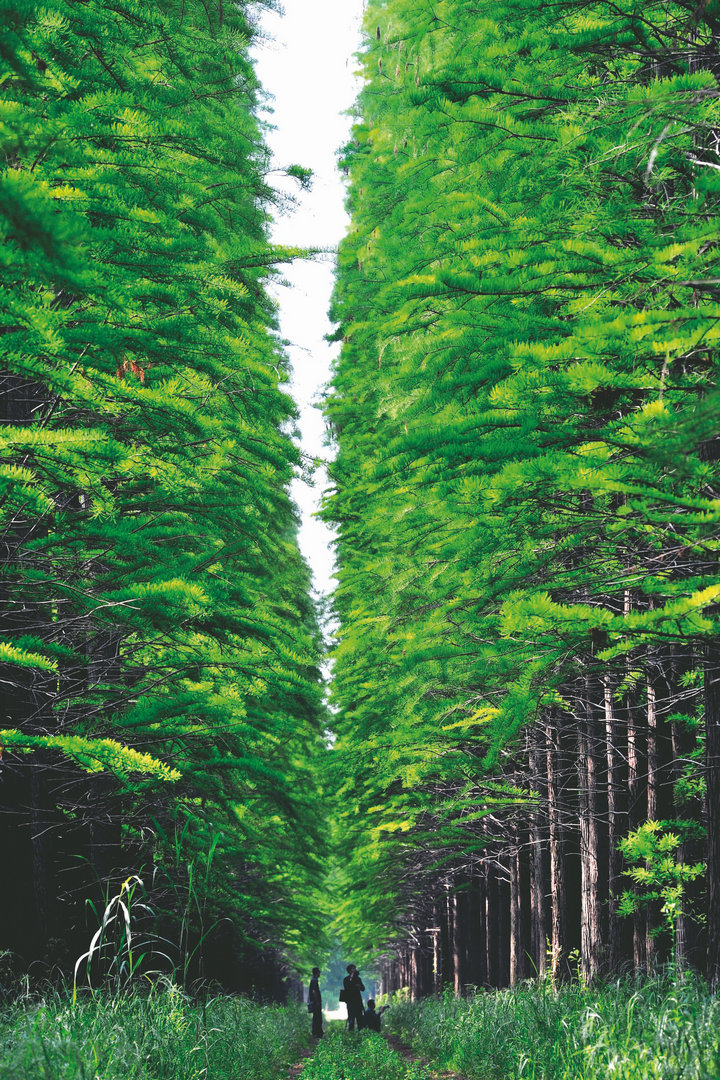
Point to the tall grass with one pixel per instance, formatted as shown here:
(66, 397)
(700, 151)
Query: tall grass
(659, 1029)
(344, 1055)
(159, 1035)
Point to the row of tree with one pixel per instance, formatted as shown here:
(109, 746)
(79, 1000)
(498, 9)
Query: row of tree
(527, 674)
(161, 700)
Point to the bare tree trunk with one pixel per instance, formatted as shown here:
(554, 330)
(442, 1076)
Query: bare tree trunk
(468, 899)
(415, 970)
(515, 917)
(681, 946)
(591, 943)
(483, 978)
(538, 862)
(652, 755)
(437, 965)
(491, 925)
(659, 765)
(688, 930)
(637, 813)
(503, 925)
(449, 964)
(475, 931)
(446, 969)
(559, 950)
(712, 809)
(428, 970)
(456, 912)
(614, 829)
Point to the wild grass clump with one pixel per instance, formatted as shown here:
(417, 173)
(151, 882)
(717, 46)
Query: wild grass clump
(658, 1029)
(360, 1056)
(160, 1035)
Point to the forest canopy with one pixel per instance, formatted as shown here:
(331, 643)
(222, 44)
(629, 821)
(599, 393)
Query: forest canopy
(161, 697)
(526, 490)
(523, 772)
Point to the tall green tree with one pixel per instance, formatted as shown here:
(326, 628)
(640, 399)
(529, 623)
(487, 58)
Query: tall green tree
(526, 485)
(159, 653)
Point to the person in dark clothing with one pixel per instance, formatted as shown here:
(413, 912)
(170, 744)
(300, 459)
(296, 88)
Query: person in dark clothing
(353, 987)
(315, 1004)
(373, 1017)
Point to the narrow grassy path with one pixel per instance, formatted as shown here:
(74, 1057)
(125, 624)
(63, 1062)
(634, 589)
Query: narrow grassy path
(342, 1055)
(409, 1054)
(296, 1070)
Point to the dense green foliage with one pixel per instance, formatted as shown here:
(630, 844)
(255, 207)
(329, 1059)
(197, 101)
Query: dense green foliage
(154, 607)
(633, 1030)
(525, 407)
(160, 1035)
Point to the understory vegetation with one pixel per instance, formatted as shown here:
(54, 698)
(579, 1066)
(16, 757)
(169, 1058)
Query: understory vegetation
(658, 1028)
(363, 1057)
(161, 1035)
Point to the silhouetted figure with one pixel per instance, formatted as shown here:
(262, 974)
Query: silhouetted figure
(373, 1017)
(315, 1004)
(353, 987)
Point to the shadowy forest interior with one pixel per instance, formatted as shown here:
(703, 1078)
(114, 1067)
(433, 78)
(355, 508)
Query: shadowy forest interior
(514, 771)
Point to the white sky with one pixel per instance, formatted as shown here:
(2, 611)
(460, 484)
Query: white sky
(307, 64)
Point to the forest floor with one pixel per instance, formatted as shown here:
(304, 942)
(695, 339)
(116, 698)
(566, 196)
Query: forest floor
(364, 1057)
(296, 1070)
(635, 1029)
(408, 1054)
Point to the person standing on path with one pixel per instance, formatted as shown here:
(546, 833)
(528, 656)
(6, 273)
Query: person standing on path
(315, 1004)
(353, 986)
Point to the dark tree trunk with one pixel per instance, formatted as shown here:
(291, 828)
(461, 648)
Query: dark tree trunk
(539, 843)
(614, 828)
(446, 964)
(437, 964)
(474, 932)
(455, 908)
(712, 809)
(483, 971)
(559, 932)
(590, 939)
(428, 973)
(637, 814)
(492, 926)
(519, 903)
(516, 944)
(415, 970)
(688, 932)
(503, 925)
(659, 773)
